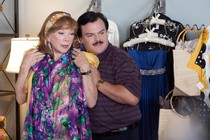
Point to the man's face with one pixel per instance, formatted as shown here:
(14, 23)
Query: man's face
(95, 37)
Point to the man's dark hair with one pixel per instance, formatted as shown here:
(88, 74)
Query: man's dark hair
(90, 16)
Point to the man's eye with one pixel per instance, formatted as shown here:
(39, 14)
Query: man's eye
(102, 32)
(89, 35)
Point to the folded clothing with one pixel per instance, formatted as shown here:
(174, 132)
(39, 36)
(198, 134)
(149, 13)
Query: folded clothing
(93, 59)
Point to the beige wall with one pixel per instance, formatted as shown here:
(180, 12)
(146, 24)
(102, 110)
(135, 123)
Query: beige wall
(32, 14)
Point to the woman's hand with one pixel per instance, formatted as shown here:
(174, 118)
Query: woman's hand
(90, 79)
(80, 60)
(31, 57)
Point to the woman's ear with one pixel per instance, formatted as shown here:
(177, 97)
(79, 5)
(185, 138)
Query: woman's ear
(48, 39)
(80, 40)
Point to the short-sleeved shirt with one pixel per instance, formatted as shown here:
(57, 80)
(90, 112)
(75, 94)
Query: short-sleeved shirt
(116, 67)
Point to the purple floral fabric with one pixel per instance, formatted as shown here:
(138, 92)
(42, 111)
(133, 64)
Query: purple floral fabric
(57, 108)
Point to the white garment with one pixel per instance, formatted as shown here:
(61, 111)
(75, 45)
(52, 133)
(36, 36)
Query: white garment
(113, 32)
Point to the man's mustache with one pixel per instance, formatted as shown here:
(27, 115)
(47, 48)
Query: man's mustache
(98, 42)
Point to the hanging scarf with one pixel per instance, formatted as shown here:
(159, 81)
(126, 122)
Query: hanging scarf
(57, 107)
(197, 62)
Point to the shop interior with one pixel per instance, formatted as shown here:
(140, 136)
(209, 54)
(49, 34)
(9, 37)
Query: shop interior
(161, 25)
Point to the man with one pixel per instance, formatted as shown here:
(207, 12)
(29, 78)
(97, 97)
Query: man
(116, 114)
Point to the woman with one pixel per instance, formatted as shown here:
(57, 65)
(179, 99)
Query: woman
(63, 84)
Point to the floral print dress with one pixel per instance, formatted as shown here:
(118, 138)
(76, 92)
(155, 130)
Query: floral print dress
(57, 107)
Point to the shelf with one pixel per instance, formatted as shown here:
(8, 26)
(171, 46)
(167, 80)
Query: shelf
(8, 35)
(8, 105)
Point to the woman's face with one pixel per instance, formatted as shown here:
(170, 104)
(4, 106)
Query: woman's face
(61, 41)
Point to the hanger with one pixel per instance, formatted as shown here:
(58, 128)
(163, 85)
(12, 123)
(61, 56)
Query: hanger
(182, 37)
(154, 11)
(95, 5)
(202, 27)
(155, 14)
(155, 20)
(195, 27)
(90, 5)
(160, 6)
(150, 36)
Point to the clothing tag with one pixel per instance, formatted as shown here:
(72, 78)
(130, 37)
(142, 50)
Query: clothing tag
(200, 85)
(157, 26)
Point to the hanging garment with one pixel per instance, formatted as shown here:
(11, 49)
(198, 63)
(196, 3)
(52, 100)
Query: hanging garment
(113, 34)
(155, 62)
(152, 65)
(196, 61)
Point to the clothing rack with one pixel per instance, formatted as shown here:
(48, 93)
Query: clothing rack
(194, 31)
(95, 5)
(158, 7)
(161, 6)
(195, 26)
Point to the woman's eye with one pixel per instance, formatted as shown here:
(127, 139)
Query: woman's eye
(60, 33)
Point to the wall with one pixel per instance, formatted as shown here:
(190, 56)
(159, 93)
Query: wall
(189, 11)
(125, 12)
(32, 13)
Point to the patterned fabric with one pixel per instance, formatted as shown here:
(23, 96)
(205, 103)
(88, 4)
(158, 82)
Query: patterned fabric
(53, 19)
(57, 107)
(153, 72)
(196, 62)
